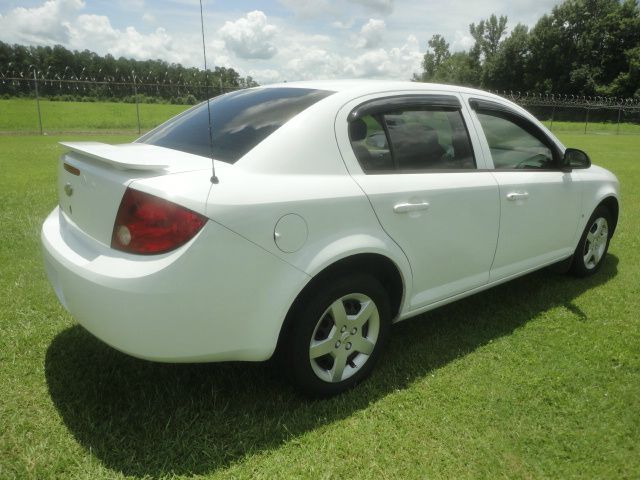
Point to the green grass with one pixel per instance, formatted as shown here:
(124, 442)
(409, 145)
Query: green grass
(21, 115)
(537, 378)
(594, 128)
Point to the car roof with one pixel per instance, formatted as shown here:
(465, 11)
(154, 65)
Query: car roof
(363, 87)
(349, 89)
(320, 115)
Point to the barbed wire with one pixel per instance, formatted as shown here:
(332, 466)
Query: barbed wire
(195, 80)
(566, 100)
(182, 89)
(53, 82)
(102, 82)
(121, 83)
(122, 77)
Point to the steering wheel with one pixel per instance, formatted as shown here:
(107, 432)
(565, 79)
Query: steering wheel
(537, 161)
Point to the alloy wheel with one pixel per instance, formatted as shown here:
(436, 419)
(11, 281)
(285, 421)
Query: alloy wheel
(344, 337)
(595, 243)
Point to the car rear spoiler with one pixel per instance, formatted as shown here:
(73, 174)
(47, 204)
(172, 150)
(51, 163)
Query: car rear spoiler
(130, 156)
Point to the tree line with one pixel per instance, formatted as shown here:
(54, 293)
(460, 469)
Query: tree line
(583, 47)
(77, 75)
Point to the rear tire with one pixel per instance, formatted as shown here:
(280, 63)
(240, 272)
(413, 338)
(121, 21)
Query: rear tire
(337, 335)
(594, 243)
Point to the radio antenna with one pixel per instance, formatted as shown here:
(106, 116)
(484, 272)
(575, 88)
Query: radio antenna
(214, 179)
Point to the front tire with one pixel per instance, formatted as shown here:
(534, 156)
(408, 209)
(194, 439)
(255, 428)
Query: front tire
(337, 335)
(594, 243)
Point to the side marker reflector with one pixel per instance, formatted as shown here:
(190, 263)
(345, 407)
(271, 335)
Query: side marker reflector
(72, 170)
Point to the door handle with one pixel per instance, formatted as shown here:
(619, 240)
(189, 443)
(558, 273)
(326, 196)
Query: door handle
(517, 196)
(410, 207)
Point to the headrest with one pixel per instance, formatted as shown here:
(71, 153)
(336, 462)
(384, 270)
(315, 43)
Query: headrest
(357, 130)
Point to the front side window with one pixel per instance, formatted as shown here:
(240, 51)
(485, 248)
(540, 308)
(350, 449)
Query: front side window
(239, 121)
(424, 139)
(512, 145)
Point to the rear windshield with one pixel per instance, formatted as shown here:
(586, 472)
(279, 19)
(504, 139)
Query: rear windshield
(239, 120)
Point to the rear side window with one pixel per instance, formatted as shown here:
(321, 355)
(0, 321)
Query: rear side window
(409, 140)
(240, 121)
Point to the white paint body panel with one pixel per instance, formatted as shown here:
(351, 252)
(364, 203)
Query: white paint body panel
(225, 294)
(541, 226)
(436, 240)
(189, 305)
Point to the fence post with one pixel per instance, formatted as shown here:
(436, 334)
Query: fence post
(618, 126)
(135, 93)
(35, 82)
(553, 114)
(586, 120)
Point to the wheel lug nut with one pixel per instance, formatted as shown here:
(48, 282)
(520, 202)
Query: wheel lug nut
(343, 329)
(354, 330)
(338, 344)
(348, 346)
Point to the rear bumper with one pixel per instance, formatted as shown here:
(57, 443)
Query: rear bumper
(219, 297)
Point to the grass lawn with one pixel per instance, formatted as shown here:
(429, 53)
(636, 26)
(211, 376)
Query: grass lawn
(537, 378)
(21, 115)
(610, 128)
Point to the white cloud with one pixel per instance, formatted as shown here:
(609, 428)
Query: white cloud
(382, 6)
(250, 36)
(342, 25)
(371, 34)
(307, 63)
(462, 41)
(39, 25)
(131, 4)
(309, 8)
(395, 63)
(312, 63)
(97, 31)
(267, 75)
(326, 39)
(59, 22)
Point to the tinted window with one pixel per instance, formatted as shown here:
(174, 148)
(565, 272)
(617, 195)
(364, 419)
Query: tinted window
(512, 145)
(369, 143)
(240, 121)
(412, 140)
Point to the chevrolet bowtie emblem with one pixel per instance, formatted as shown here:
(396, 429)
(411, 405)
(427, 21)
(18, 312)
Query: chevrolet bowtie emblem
(68, 189)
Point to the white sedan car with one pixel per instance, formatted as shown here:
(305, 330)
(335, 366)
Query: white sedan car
(337, 208)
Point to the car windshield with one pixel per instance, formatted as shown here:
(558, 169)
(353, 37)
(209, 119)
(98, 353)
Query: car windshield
(239, 121)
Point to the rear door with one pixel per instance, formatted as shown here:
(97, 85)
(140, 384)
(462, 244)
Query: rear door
(540, 203)
(417, 162)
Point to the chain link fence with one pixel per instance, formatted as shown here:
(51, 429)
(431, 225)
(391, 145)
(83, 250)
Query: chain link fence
(561, 113)
(131, 89)
(570, 113)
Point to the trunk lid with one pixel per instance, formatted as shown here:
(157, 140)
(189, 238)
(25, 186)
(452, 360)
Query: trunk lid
(92, 179)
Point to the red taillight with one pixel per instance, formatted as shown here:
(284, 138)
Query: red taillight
(146, 224)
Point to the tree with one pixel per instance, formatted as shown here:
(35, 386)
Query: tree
(458, 69)
(581, 47)
(57, 64)
(627, 83)
(487, 35)
(507, 69)
(433, 59)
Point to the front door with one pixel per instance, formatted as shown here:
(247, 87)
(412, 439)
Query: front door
(420, 174)
(538, 200)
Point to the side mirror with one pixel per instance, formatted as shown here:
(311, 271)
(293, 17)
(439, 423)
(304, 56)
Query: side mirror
(574, 158)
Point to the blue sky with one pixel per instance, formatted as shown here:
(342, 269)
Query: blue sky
(272, 40)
